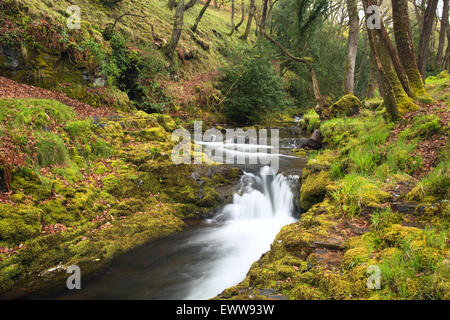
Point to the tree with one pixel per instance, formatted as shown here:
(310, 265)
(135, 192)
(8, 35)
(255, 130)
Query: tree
(169, 48)
(442, 35)
(349, 69)
(262, 24)
(178, 21)
(395, 98)
(250, 19)
(200, 15)
(292, 34)
(425, 36)
(236, 27)
(251, 88)
(405, 49)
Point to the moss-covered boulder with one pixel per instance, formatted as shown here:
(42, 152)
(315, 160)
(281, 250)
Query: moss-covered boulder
(166, 122)
(348, 105)
(152, 134)
(373, 104)
(313, 189)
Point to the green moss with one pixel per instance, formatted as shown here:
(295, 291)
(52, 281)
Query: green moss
(310, 121)
(433, 187)
(354, 193)
(166, 122)
(354, 257)
(313, 189)
(348, 105)
(18, 224)
(79, 128)
(152, 134)
(37, 113)
(373, 104)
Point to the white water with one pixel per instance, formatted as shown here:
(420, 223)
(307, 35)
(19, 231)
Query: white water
(260, 209)
(241, 152)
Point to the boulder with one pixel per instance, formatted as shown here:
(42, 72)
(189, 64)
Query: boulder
(313, 189)
(348, 105)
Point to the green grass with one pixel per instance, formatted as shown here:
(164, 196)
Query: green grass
(51, 149)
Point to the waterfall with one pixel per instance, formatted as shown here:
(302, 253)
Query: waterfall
(267, 196)
(263, 205)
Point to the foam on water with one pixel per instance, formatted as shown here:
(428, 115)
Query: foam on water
(259, 210)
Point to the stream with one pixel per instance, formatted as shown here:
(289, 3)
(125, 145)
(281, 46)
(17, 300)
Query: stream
(209, 256)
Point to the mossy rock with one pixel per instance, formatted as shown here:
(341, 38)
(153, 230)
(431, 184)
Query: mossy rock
(373, 104)
(166, 122)
(348, 105)
(152, 134)
(313, 189)
(354, 257)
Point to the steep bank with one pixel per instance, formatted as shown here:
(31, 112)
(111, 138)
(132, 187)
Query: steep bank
(378, 209)
(81, 189)
(122, 68)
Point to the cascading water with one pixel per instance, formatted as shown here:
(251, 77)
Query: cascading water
(260, 209)
(202, 261)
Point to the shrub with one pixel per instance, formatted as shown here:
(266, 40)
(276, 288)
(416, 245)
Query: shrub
(251, 89)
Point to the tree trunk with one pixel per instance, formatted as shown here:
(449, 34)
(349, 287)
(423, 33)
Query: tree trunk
(447, 55)
(401, 73)
(373, 79)
(242, 16)
(349, 68)
(395, 97)
(200, 15)
(190, 4)
(249, 21)
(386, 88)
(232, 17)
(442, 35)
(405, 48)
(425, 35)
(263, 15)
(362, 65)
(176, 31)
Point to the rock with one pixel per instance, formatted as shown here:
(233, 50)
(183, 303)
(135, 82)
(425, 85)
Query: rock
(313, 188)
(166, 122)
(404, 207)
(11, 58)
(348, 105)
(278, 297)
(316, 140)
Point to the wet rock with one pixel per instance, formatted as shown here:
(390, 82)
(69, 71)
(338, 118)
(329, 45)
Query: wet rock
(330, 244)
(267, 292)
(404, 207)
(11, 58)
(316, 140)
(278, 297)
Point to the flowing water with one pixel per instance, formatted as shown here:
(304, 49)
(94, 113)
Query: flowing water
(205, 259)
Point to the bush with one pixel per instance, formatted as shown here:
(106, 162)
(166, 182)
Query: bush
(251, 89)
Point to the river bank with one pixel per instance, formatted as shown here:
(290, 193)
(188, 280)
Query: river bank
(378, 212)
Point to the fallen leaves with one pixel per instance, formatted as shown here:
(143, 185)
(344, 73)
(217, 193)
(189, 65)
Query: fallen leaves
(10, 89)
